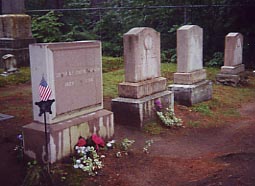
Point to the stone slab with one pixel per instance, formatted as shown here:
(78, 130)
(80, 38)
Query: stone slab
(142, 89)
(63, 136)
(232, 70)
(15, 26)
(189, 95)
(189, 48)
(233, 53)
(232, 79)
(73, 71)
(137, 112)
(141, 54)
(190, 78)
(7, 43)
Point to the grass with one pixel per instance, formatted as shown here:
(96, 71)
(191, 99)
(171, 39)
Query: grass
(221, 107)
(23, 76)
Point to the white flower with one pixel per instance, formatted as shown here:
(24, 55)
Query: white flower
(78, 161)
(76, 166)
(81, 166)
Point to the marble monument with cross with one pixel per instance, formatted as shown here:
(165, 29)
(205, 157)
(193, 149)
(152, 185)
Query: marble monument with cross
(190, 83)
(143, 82)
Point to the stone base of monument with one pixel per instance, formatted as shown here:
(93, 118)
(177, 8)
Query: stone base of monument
(189, 95)
(63, 136)
(137, 112)
(18, 48)
(231, 75)
(232, 79)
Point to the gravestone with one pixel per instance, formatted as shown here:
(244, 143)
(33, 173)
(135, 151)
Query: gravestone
(15, 31)
(232, 71)
(73, 71)
(190, 84)
(9, 64)
(143, 82)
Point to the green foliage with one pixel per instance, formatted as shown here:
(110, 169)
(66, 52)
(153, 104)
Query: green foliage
(126, 144)
(46, 28)
(23, 76)
(217, 60)
(169, 56)
(153, 128)
(112, 63)
(202, 108)
(168, 118)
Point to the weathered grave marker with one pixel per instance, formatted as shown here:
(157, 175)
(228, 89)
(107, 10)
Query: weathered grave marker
(15, 31)
(143, 82)
(231, 72)
(190, 84)
(73, 70)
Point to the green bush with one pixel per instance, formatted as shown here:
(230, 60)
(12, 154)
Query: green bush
(46, 28)
(217, 60)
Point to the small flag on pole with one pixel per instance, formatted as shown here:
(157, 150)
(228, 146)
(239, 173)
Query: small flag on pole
(44, 90)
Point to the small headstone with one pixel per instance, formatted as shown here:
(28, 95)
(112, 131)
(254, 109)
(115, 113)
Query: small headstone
(9, 64)
(190, 84)
(143, 83)
(73, 71)
(230, 73)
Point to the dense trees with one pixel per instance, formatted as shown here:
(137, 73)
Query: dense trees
(113, 18)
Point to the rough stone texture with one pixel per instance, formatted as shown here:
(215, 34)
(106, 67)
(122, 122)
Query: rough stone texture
(189, 48)
(191, 94)
(233, 70)
(232, 79)
(233, 49)
(138, 112)
(230, 73)
(15, 26)
(73, 70)
(15, 37)
(190, 78)
(12, 6)
(63, 136)
(141, 54)
(142, 89)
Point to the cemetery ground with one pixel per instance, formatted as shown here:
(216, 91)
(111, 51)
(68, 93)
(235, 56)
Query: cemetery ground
(215, 146)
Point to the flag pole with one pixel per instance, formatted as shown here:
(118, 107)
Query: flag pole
(46, 143)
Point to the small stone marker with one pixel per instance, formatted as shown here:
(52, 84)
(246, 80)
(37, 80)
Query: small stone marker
(73, 71)
(9, 64)
(143, 82)
(190, 84)
(231, 72)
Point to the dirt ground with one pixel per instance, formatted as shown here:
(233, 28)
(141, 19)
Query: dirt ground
(201, 156)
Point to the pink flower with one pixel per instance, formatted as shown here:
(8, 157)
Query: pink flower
(98, 141)
(81, 142)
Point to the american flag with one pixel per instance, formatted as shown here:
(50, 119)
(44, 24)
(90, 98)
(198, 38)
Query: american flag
(44, 90)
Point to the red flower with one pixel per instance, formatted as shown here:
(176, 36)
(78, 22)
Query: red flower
(98, 141)
(81, 142)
